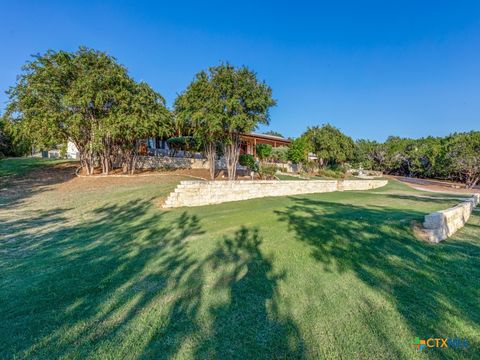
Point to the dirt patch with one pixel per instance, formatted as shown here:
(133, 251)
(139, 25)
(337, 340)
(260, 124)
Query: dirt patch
(62, 177)
(98, 182)
(419, 231)
(436, 185)
(196, 173)
(37, 180)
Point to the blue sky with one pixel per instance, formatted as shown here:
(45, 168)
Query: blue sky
(371, 68)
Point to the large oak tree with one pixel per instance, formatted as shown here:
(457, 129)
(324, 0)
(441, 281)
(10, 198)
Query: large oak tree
(195, 110)
(223, 103)
(88, 98)
(329, 144)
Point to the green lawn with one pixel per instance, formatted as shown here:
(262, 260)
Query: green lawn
(309, 177)
(287, 177)
(21, 166)
(103, 272)
(15, 167)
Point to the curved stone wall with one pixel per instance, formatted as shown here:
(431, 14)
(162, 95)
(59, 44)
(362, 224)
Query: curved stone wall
(441, 225)
(197, 193)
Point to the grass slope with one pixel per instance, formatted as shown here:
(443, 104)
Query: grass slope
(105, 273)
(21, 166)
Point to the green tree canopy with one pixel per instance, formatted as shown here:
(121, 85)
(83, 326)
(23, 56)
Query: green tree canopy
(11, 143)
(242, 103)
(263, 151)
(196, 109)
(298, 151)
(221, 104)
(329, 144)
(463, 153)
(455, 157)
(88, 98)
(280, 154)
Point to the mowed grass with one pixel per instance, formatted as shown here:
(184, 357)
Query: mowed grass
(105, 273)
(21, 166)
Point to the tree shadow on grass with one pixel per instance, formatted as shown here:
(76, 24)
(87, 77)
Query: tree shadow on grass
(426, 198)
(248, 325)
(84, 283)
(243, 323)
(127, 281)
(428, 284)
(16, 189)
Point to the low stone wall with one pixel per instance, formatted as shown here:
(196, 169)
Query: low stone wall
(197, 193)
(441, 225)
(360, 184)
(161, 162)
(164, 161)
(156, 162)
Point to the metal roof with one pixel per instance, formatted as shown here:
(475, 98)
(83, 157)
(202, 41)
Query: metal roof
(269, 137)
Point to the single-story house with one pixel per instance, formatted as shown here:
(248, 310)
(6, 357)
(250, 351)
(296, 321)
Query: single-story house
(248, 143)
(159, 147)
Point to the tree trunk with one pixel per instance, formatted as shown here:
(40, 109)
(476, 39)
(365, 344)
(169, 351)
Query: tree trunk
(90, 165)
(321, 163)
(133, 165)
(210, 154)
(471, 182)
(129, 160)
(102, 162)
(86, 163)
(126, 161)
(83, 157)
(105, 163)
(134, 158)
(231, 151)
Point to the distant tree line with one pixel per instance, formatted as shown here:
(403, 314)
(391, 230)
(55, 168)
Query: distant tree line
(455, 157)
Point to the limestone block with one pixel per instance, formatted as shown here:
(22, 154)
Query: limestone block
(196, 193)
(441, 225)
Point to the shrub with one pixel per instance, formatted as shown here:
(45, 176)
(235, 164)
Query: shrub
(248, 161)
(183, 143)
(267, 172)
(264, 151)
(310, 167)
(332, 172)
(280, 154)
(298, 151)
(63, 151)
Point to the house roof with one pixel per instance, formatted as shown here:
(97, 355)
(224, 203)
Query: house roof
(268, 137)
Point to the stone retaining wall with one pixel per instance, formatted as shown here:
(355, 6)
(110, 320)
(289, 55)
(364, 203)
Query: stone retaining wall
(158, 162)
(155, 162)
(441, 225)
(197, 193)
